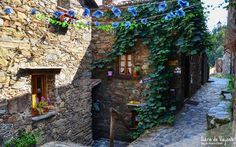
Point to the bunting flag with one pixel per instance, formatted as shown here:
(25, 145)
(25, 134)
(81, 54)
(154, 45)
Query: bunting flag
(116, 11)
(8, 11)
(69, 18)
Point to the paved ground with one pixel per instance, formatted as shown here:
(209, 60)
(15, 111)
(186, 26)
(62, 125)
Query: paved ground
(105, 143)
(190, 123)
(189, 127)
(62, 144)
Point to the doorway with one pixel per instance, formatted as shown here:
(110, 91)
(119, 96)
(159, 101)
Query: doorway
(186, 76)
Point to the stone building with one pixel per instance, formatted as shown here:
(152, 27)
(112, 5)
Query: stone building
(38, 59)
(230, 36)
(123, 87)
(230, 47)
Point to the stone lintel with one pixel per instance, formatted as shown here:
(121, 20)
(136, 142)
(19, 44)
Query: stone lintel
(41, 70)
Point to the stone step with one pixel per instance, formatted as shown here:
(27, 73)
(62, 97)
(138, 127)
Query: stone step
(219, 115)
(228, 96)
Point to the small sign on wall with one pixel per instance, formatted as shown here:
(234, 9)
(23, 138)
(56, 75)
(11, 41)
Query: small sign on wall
(146, 80)
(177, 70)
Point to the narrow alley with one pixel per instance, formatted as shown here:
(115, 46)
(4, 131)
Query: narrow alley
(190, 123)
(117, 73)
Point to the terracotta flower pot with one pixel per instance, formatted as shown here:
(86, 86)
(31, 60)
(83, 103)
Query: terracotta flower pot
(135, 75)
(35, 112)
(45, 109)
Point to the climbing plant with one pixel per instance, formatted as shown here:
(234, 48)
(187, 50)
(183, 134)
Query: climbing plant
(165, 39)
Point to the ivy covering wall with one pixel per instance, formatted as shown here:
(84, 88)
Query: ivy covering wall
(165, 39)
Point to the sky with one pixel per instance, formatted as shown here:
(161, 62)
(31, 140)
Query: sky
(216, 15)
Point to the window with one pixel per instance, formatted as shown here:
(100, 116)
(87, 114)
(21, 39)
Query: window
(125, 65)
(39, 88)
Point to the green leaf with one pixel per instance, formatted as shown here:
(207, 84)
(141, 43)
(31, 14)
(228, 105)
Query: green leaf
(180, 41)
(173, 108)
(196, 38)
(193, 52)
(162, 108)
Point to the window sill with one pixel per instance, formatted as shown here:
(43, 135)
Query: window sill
(45, 116)
(135, 105)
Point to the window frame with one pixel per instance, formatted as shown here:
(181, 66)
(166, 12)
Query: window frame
(118, 66)
(44, 85)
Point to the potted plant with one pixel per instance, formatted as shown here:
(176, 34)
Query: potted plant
(110, 72)
(42, 106)
(34, 112)
(136, 72)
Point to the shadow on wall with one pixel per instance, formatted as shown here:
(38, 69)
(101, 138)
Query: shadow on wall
(73, 103)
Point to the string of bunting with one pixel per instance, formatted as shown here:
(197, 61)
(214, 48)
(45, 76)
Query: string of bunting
(69, 18)
(80, 24)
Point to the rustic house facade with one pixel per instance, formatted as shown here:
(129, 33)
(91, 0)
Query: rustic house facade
(123, 88)
(119, 90)
(230, 37)
(37, 60)
(230, 48)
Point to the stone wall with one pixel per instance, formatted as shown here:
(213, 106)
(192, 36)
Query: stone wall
(226, 62)
(230, 44)
(116, 91)
(26, 41)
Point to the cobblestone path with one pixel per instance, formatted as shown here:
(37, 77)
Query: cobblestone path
(190, 124)
(105, 143)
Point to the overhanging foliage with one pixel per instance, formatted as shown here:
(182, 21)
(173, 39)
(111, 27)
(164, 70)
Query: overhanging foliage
(165, 39)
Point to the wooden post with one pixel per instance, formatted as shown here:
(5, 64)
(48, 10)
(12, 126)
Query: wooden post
(113, 113)
(111, 129)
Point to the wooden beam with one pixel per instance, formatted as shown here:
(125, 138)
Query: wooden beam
(113, 113)
(111, 129)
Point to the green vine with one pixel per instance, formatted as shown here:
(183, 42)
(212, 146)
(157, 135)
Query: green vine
(165, 40)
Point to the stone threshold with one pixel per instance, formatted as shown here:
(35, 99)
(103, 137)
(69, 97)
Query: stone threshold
(45, 116)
